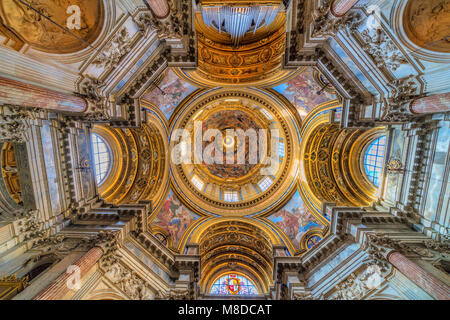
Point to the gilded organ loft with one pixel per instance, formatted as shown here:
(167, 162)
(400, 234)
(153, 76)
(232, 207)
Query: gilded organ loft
(204, 149)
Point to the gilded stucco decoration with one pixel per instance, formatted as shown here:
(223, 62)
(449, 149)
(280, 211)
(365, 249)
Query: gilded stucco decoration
(9, 172)
(139, 164)
(327, 161)
(332, 161)
(256, 60)
(239, 247)
(202, 187)
(23, 24)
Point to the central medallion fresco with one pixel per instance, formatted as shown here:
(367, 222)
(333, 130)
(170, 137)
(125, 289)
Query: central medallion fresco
(234, 152)
(231, 119)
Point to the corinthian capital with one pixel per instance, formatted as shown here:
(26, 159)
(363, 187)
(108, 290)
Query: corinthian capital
(14, 123)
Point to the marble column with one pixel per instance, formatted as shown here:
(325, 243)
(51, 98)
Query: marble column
(160, 8)
(425, 280)
(432, 104)
(341, 7)
(17, 93)
(58, 289)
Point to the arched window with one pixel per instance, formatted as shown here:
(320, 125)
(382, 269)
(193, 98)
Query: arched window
(233, 284)
(373, 159)
(102, 158)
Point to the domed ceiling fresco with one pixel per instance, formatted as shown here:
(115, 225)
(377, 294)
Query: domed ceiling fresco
(229, 121)
(203, 191)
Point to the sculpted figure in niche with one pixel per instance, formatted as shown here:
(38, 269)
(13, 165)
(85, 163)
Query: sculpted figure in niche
(427, 24)
(42, 34)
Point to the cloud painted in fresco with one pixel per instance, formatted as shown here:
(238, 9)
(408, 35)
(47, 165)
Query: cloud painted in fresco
(175, 218)
(175, 90)
(302, 90)
(295, 219)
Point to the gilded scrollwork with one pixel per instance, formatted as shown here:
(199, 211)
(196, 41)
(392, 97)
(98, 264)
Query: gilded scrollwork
(328, 166)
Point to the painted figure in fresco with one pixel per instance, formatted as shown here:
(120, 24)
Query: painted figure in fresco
(175, 90)
(295, 219)
(175, 218)
(313, 241)
(302, 90)
(233, 120)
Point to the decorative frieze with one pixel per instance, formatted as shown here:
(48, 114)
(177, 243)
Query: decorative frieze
(90, 89)
(129, 282)
(168, 28)
(115, 50)
(358, 286)
(14, 123)
(174, 294)
(380, 47)
(438, 246)
(303, 296)
(327, 24)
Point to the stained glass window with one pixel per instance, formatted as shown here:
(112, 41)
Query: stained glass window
(233, 284)
(101, 157)
(373, 159)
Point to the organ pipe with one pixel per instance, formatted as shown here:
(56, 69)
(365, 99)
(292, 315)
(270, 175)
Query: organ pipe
(237, 21)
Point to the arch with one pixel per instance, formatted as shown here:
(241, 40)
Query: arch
(372, 158)
(10, 190)
(196, 232)
(102, 158)
(331, 162)
(139, 165)
(236, 247)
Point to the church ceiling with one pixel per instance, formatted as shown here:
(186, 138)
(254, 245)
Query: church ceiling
(306, 90)
(198, 191)
(299, 224)
(172, 221)
(227, 135)
(42, 34)
(210, 181)
(168, 92)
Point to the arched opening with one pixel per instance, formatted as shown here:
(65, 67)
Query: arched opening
(233, 284)
(373, 159)
(102, 158)
(236, 260)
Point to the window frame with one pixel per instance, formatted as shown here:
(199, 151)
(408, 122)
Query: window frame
(364, 163)
(94, 156)
(225, 276)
